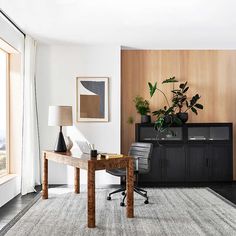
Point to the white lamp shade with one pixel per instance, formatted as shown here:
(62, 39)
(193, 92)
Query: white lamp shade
(60, 116)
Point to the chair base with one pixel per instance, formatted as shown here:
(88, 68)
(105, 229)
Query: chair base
(137, 190)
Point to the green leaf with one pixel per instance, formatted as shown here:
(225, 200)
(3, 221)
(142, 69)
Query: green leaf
(182, 86)
(130, 120)
(187, 105)
(194, 110)
(152, 88)
(170, 80)
(158, 112)
(169, 111)
(199, 106)
(183, 99)
(175, 91)
(185, 90)
(159, 123)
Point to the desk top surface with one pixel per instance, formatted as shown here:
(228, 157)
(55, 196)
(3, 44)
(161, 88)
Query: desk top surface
(76, 159)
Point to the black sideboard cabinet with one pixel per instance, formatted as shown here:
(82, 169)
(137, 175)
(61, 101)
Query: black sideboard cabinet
(197, 152)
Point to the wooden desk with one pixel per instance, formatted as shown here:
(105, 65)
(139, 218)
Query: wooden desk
(91, 165)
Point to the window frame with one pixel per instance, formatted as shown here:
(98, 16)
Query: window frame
(7, 114)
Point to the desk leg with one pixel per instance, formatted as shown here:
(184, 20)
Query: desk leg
(45, 177)
(77, 180)
(130, 189)
(91, 195)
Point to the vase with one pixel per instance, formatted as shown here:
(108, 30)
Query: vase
(145, 119)
(183, 116)
(69, 143)
(167, 119)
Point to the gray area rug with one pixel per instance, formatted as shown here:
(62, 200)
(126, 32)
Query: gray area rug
(172, 211)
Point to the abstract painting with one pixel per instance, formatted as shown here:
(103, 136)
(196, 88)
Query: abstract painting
(92, 98)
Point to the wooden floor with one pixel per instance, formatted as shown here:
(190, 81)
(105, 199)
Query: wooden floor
(16, 205)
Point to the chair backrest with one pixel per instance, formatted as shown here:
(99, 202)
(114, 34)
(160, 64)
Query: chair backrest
(142, 151)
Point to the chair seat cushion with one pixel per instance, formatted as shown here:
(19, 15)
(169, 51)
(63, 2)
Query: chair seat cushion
(117, 172)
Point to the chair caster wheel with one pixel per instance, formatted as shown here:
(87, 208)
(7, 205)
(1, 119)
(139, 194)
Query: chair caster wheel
(122, 204)
(108, 198)
(123, 193)
(146, 201)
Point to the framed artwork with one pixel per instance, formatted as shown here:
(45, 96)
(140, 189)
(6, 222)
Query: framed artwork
(91, 99)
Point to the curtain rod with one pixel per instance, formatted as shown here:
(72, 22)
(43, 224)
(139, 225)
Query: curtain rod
(12, 22)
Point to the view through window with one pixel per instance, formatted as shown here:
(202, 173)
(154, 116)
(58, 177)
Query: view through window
(3, 114)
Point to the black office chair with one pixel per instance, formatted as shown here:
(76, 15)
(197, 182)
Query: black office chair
(141, 152)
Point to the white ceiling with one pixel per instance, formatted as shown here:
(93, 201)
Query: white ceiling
(166, 24)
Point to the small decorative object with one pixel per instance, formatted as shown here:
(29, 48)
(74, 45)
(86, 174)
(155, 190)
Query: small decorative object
(92, 98)
(142, 107)
(60, 116)
(130, 120)
(69, 143)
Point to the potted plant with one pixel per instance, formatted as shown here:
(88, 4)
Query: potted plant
(142, 107)
(180, 101)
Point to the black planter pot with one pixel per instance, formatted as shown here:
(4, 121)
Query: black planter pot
(145, 119)
(167, 119)
(183, 116)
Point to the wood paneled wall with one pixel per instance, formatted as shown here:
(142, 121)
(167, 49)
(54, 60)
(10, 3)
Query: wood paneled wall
(211, 73)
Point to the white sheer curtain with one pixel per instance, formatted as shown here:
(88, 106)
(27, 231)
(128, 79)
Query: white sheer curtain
(30, 147)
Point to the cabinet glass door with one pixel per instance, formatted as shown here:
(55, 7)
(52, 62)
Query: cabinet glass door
(219, 133)
(209, 133)
(150, 134)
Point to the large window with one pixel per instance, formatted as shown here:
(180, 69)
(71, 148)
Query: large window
(4, 163)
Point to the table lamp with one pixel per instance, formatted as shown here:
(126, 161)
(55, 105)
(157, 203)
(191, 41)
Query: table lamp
(60, 116)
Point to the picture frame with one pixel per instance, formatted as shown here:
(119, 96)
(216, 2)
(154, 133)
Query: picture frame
(92, 99)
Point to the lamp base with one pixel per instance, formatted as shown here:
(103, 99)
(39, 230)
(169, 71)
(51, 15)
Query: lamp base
(60, 144)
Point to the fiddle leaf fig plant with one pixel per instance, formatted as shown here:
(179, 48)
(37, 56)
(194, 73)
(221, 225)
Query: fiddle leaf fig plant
(179, 96)
(193, 105)
(180, 99)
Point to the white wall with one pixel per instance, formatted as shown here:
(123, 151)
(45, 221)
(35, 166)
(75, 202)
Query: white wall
(9, 189)
(57, 69)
